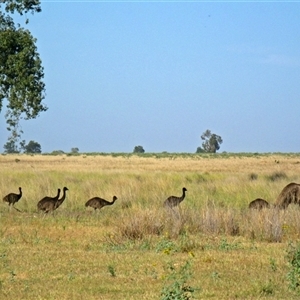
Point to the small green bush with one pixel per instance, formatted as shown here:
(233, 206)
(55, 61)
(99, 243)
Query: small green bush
(177, 287)
(293, 276)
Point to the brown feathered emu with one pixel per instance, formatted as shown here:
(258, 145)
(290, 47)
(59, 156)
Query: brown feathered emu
(98, 203)
(48, 204)
(173, 201)
(290, 194)
(259, 204)
(13, 198)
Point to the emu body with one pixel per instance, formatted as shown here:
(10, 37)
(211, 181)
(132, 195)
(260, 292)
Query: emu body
(259, 204)
(289, 194)
(13, 198)
(48, 203)
(173, 201)
(98, 203)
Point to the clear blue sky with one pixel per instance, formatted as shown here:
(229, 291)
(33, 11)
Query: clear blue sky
(159, 73)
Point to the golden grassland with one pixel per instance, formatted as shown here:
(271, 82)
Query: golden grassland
(135, 248)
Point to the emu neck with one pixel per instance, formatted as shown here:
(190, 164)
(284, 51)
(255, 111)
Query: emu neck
(183, 195)
(63, 197)
(57, 196)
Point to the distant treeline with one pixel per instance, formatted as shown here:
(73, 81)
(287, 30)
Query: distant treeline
(171, 155)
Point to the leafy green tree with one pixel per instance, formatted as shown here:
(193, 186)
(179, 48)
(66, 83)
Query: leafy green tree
(74, 150)
(200, 150)
(211, 142)
(32, 147)
(21, 71)
(138, 149)
(11, 147)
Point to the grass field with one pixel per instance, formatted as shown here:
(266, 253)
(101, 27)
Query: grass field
(213, 247)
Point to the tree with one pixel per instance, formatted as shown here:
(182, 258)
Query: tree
(138, 149)
(21, 71)
(32, 147)
(75, 150)
(211, 142)
(11, 147)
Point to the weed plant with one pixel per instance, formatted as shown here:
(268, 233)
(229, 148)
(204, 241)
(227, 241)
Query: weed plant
(293, 257)
(176, 286)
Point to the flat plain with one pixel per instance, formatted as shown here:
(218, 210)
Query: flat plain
(211, 247)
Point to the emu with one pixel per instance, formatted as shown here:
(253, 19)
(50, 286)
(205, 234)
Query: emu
(48, 203)
(259, 204)
(98, 203)
(289, 194)
(12, 198)
(173, 201)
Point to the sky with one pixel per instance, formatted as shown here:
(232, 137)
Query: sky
(157, 74)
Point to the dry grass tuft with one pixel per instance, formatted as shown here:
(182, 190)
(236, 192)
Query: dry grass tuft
(265, 225)
(136, 226)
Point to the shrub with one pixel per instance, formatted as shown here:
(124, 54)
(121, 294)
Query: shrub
(138, 149)
(177, 287)
(293, 257)
(277, 176)
(253, 176)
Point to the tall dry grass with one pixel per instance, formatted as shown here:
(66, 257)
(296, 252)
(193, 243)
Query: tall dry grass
(219, 190)
(121, 251)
